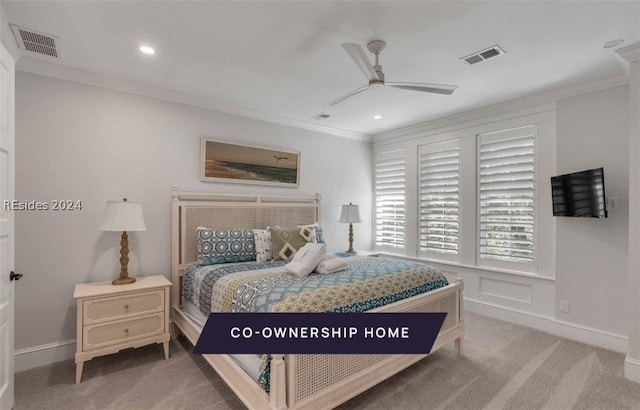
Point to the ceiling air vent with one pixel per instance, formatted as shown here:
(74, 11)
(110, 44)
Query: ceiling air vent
(40, 44)
(321, 116)
(483, 55)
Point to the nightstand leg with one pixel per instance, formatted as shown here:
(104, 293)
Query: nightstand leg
(79, 372)
(176, 330)
(166, 350)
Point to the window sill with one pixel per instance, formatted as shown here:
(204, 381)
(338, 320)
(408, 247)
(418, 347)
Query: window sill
(473, 267)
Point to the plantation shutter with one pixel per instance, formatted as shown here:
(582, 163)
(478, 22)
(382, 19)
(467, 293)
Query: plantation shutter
(507, 196)
(440, 197)
(390, 196)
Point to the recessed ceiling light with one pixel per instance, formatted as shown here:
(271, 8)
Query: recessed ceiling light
(147, 50)
(613, 43)
(377, 117)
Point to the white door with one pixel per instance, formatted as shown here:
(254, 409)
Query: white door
(7, 138)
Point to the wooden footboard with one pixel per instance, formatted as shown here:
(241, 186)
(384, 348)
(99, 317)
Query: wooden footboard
(325, 381)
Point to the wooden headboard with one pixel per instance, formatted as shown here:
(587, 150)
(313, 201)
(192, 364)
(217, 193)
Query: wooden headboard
(226, 210)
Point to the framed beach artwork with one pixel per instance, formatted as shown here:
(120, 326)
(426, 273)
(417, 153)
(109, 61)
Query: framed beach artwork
(248, 164)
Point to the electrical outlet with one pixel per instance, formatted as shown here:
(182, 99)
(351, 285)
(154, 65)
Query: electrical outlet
(612, 203)
(564, 306)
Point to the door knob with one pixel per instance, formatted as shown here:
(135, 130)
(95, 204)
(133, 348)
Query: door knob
(15, 276)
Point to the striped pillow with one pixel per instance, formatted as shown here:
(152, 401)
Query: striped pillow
(262, 239)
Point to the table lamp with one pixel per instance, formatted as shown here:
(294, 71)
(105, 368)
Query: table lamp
(350, 214)
(123, 216)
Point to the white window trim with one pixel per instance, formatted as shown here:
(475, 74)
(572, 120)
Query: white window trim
(466, 128)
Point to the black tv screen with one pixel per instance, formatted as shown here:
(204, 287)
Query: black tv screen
(579, 194)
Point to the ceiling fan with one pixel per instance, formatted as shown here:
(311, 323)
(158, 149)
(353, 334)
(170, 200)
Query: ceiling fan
(376, 77)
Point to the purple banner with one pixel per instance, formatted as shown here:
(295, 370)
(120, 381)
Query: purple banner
(356, 333)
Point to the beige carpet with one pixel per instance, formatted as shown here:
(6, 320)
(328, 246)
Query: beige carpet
(504, 366)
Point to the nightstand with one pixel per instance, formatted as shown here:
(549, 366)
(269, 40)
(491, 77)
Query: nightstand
(112, 318)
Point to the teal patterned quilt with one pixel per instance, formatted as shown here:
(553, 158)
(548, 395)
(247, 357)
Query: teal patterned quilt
(366, 283)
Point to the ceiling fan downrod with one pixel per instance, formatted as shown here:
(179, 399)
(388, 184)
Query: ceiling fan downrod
(376, 47)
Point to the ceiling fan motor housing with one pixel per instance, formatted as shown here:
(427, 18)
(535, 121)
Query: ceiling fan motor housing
(376, 46)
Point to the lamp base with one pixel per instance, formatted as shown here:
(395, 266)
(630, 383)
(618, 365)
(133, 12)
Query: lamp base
(123, 281)
(351, 250)
(124, 278)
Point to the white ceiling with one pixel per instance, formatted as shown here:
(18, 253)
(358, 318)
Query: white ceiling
(284, 59)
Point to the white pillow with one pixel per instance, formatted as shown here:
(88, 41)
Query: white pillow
(306, 259)
(262, 238)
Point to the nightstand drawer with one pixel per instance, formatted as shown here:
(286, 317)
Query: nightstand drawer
(120, 307)
(121, 332)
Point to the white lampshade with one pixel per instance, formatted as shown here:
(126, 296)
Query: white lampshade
(350, 214)
(121, 216)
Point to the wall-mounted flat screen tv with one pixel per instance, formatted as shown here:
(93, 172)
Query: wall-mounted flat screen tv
(579, 194)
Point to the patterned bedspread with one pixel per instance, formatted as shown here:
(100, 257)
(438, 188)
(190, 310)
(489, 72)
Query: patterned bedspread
(367, 283)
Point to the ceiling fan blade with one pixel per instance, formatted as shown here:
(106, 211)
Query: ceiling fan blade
(359, 57)
(426, 88)
(349, 94)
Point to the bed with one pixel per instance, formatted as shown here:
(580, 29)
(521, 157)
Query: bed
(294, 381)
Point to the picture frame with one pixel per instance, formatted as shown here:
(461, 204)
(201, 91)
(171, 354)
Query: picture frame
(234, 162)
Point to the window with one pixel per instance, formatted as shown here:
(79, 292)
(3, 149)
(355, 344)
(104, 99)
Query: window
(439, 206)
(474, 194)
(506, 198)
(390, 197)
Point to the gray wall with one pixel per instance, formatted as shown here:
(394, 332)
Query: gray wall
(92, 144)
(591, 256)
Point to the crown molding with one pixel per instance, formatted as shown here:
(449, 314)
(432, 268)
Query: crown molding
(26, 64)
(6, 37)
(59, 71)
(539, 113)
(630, 53)
(523, 103)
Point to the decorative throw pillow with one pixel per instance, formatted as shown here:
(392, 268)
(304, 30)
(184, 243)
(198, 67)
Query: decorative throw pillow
(315, 232)
(262, 240)
(320, 235)
(308, 232)
(287, 240)
(225, 245)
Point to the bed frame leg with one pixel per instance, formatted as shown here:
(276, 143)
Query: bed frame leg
(458, 341)
(459, 346)
(278, 391)
(176, 330)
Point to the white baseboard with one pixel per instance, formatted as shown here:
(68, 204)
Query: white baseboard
(57, 352)
(43, 355)
(36, 356)
(568, 330)
(632, 369)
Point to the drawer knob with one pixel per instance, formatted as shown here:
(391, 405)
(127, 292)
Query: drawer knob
(126, 332)
(126, 307)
